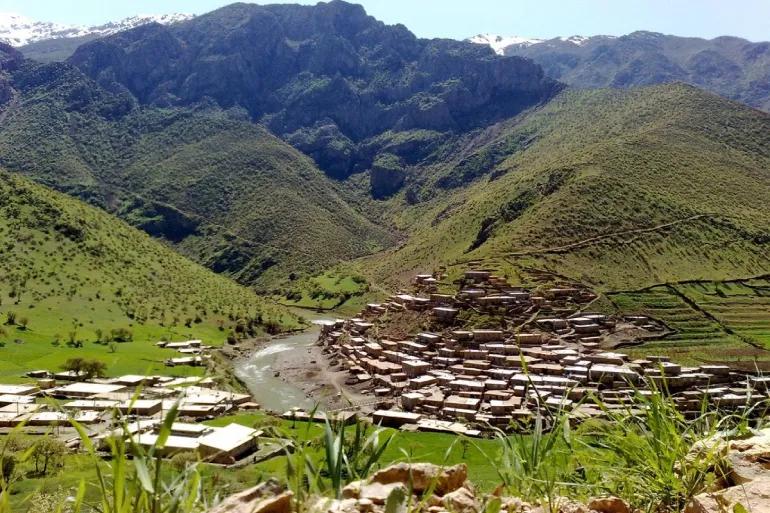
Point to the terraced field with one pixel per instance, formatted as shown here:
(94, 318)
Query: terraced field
(705, 327)
(741, 307)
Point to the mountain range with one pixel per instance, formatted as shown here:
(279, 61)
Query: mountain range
(271, 143)
(17, 30)
(729, 66)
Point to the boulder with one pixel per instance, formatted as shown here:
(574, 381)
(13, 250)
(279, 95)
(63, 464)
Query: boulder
(421, 476)
(326, 505)
(609, 505)
(461, 501)
(566, 505)
(378, 493)
(353, 490)
(267, 497)
(753, 496)
(749, 459)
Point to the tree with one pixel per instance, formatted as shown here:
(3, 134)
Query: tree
(95, 369)
(10, 318)
(74, 365)
(48, 453)
(24, 322)
(122, 335)
(99, 334)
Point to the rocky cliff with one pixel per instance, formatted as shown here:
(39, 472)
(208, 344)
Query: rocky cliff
(329, 79)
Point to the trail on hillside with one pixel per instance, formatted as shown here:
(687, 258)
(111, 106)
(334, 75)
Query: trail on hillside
(601, 238)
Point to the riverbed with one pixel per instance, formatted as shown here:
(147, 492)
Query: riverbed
(293, 372)
(258, 373)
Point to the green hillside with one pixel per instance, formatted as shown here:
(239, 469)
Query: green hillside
(76, 282)
(220, 189)
(616, 189)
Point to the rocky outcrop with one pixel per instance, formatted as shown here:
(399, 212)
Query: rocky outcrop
(387, 175)
(10, 60)
(746, 479)
(424, 476)
(267, 497)
(326, 78)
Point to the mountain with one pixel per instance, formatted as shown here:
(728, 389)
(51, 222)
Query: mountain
(49, 42)
(616, 189)
(218, 188)
(500, 43)
(729, 66)
(173, 128)
(17, 30)
(275, 142)
(328, 79)
(76, 273)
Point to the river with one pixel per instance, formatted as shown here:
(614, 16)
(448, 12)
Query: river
(258, 374)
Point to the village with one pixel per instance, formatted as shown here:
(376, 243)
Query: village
(550, 354)
(559, 357)
(135, 406)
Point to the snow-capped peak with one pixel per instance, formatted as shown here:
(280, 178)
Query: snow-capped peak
(18, 30)
(500, 43)
(576, 40)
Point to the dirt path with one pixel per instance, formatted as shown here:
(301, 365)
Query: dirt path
(601, 238)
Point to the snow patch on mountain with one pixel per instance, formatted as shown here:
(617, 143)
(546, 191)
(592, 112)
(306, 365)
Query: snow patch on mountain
(18, 30)
(500, 43)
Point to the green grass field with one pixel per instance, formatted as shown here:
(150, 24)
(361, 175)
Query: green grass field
(423, 447)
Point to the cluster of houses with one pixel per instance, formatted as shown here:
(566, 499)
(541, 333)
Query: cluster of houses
(137, 405)
(193, 352)
(457, 380)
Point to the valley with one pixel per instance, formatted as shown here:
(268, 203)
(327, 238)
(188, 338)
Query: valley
(226, 239)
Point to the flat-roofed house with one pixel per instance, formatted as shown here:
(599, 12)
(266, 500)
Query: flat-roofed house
(395, 419)
(415, 368)
(81, 390)
(228, 444)
(18, 390)
(173, 445)
(141, 407)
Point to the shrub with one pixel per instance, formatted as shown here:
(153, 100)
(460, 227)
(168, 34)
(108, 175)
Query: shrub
(180, 462)
(7, 467)
(10, 318)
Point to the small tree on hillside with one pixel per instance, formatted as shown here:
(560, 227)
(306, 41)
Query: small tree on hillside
(24, 322)
(10, 318)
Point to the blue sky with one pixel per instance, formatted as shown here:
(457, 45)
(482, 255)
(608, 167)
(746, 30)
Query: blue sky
(462, 18)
